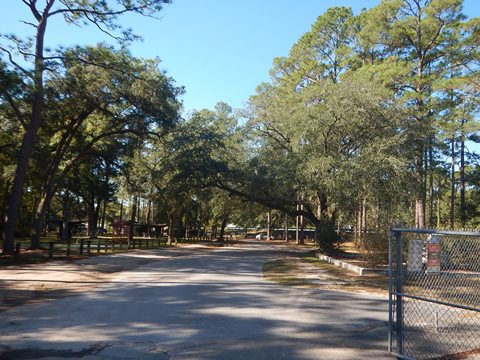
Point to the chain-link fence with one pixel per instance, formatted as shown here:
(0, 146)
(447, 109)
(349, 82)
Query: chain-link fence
(434, 294)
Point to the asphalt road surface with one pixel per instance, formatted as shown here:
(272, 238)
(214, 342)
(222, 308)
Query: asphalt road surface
(194, 303)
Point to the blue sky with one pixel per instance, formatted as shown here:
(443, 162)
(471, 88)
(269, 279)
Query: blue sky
(219, 50)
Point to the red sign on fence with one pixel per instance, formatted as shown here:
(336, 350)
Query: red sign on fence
(433, 258)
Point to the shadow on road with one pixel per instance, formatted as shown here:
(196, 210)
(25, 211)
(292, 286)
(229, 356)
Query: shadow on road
(202, 305)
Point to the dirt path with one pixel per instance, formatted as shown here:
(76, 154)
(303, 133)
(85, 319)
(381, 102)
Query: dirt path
(57, 279)
(191, 303)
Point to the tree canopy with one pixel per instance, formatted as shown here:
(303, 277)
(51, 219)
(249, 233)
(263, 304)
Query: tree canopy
(369, 120)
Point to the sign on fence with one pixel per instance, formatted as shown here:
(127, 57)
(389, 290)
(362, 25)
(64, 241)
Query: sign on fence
(433, 254)
(434, 297)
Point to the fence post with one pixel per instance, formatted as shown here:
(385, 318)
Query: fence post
(98, 246)
(69, 242)
(147, 243)
(81, 246)
(50, 249)
(113, 245)
(399, 291)
(89, 244)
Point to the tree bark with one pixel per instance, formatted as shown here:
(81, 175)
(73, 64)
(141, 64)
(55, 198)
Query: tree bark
(104, 214)
(3, 210)
(223, 225)
(65, 218)
(430, 184)
(29, 137)
(420, 193)
(39, 219)
(364, 218)
(463, 215)
(131, 227)
(269, 225)
(452, 183)
(301, 239)
(171, 228)
(297, 226)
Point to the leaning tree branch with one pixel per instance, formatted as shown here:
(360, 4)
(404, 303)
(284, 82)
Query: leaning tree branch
(14, 63)
(15, 108)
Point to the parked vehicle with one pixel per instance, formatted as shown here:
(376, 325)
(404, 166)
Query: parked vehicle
(261, 236)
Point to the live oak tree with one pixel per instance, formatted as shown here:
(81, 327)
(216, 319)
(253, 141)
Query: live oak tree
(421, 50)
(104, 15)
(104, 104)
(331, 142)
(12, 94)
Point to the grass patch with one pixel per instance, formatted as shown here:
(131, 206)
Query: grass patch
(282, 271)
(307, 270)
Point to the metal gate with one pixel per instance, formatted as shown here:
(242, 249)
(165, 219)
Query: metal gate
(434, 303)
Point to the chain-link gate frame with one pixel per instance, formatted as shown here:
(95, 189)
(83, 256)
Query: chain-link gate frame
(434, 294)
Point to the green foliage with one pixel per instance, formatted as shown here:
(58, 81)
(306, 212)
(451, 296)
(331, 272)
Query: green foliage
(375, 250)
(356, 125)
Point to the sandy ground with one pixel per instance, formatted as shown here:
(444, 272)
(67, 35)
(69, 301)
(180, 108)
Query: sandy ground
(34, 283)
(185, 304)
(53, 280)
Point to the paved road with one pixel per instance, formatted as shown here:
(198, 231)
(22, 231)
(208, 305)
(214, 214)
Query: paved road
(199, 304)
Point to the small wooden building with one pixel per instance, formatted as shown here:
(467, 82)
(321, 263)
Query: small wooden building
(121, 228)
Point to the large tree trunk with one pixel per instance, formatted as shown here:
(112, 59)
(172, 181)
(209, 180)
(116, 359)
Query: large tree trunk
(430, 184)
(171, 228)
(131, 227)
(41, 210)
(420, 192)
(269, 225)
(149, 217)
(3, 209)
(65, 235)
(96, 216)
(139, 207)
(463, 215)
(452, 184)
(297, 226)
(223, 225)
(104, 214)
(301, 237)
(39, 219)
(29, 137)
(364, 218)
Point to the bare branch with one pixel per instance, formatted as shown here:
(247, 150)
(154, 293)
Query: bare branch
(14, 63)
(111, 14)
(33, 8)
(28, 23)
(15, 108)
